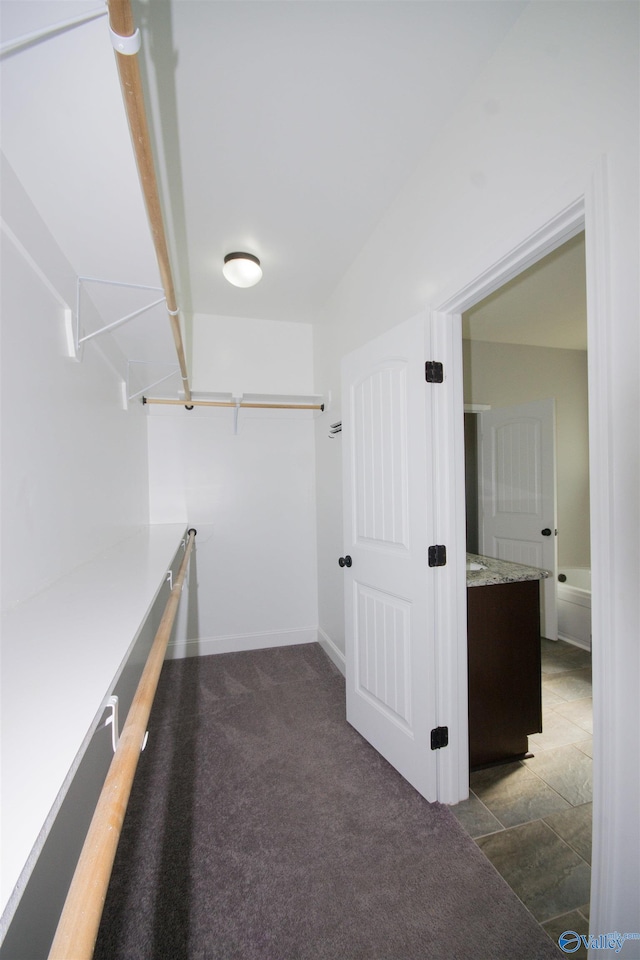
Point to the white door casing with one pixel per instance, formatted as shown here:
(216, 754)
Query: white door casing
(518, 493)
(614, 869)
(389, 618)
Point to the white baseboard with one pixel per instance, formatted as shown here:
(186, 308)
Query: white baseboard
(332, 651)
(233, 643)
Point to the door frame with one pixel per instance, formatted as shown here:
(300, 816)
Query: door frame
(589, 212)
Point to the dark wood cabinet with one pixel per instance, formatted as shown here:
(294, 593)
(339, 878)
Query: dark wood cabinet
(503, 631)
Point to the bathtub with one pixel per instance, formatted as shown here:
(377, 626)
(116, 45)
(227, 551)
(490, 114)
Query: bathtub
(574, 606)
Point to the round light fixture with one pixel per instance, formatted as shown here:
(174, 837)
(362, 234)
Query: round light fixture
(242, 269)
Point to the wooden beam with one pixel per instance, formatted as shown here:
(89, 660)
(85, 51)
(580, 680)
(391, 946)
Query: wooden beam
(240, 403)
(122, 23)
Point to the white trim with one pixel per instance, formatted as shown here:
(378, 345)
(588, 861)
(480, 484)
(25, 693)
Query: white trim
(234, 643)
(551, 235)
(332, 651)
(589, 212)
(448, 494)
(603, 571)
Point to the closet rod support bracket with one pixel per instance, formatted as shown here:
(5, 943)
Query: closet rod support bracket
(128, 46)
(112, 705)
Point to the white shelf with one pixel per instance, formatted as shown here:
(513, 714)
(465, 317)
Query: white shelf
(62, 652)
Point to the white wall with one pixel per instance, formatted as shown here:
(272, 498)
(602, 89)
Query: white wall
(559, 99)
(559, 95)
(74, 492)
(250, 495)
(251, 356)
(501, 374)
(74, 462)
(329, 527)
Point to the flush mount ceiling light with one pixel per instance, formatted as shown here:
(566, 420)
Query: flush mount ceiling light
(242, 269)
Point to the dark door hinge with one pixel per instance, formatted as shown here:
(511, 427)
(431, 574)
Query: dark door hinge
(437, 555)
(439, 738)
(433, 371)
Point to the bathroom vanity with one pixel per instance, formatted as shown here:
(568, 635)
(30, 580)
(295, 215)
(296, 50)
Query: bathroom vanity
(503, 638)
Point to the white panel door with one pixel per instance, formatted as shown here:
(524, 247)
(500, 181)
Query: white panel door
(518, 493)
(389, 627)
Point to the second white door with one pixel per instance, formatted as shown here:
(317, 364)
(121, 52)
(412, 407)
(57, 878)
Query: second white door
(518, 493)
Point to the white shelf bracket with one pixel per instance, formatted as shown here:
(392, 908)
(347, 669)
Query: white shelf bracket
(112, 705)
(112, 719)
(80, 340)
(170, 579)
(175, 371)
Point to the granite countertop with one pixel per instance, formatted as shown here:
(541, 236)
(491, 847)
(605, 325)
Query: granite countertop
(499, 571)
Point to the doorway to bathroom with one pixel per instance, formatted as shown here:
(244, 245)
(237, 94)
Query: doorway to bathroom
(525, 343)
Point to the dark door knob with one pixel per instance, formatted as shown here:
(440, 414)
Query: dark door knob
(546, 532)
(345, 561)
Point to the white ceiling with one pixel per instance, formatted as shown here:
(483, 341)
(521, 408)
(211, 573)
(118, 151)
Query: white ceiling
(281, 128)
(289, 127)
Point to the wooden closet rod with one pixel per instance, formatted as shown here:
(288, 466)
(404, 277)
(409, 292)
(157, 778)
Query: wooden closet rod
(122, 24)
(240, 403)
(78, 926)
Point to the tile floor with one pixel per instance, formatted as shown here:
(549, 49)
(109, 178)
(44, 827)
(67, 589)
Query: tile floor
(533, 818)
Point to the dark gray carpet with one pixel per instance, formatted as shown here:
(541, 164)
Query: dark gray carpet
(262, 826)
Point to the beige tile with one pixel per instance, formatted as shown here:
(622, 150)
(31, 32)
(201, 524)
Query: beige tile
(557, 731)
(573, 922)
(548, 876)
(559, 657)
(575, 828)
(586, 746)
(579, 712)
(571, 685)
(515, 794)
(566, 770)
(475, 817)
(549, 697)
(495, 776)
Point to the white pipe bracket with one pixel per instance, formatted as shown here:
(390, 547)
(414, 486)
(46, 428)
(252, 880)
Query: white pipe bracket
(126, 45)
(112, 705)
(170, 579)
